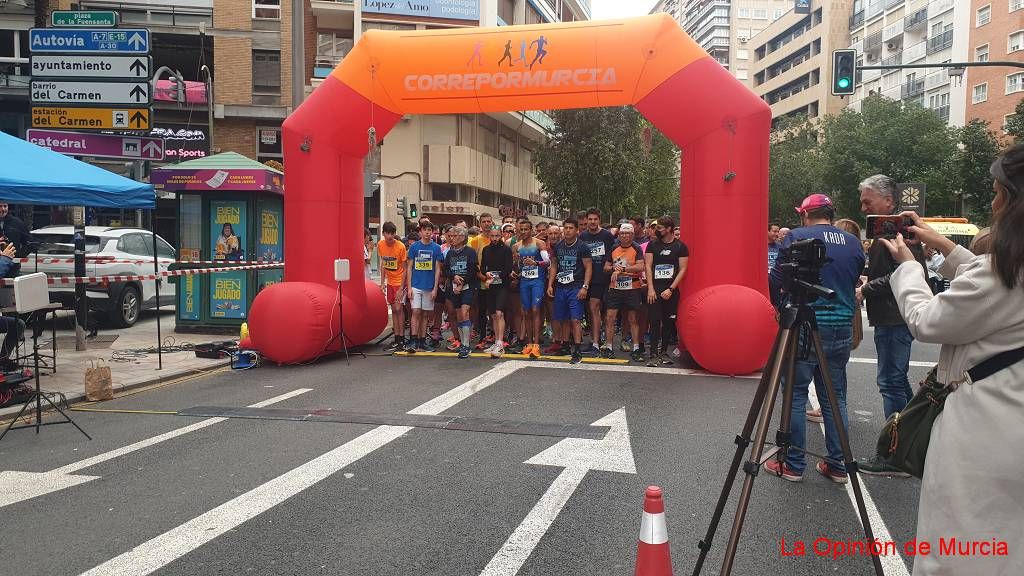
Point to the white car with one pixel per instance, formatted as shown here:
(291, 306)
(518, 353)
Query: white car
(108, 252)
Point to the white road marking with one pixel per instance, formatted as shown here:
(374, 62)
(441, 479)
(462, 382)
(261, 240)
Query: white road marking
(613, 453)
(624, 368)
(914, 363)
(18, 486)
(152, 555)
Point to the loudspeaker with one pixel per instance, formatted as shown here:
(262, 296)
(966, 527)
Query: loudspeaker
(341, 270)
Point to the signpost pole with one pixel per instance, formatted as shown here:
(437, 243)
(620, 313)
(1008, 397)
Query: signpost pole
(81, 301)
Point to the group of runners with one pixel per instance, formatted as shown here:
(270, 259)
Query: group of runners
(511, 288)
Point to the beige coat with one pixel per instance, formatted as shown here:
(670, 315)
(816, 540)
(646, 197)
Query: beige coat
(973, 485)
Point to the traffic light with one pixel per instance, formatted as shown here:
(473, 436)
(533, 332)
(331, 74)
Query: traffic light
(844, 72)
(412, 211)
(402, 211)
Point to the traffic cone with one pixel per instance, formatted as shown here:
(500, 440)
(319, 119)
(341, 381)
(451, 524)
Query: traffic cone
(652, 555)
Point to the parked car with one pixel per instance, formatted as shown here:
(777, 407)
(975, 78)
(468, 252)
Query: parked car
(106, 253)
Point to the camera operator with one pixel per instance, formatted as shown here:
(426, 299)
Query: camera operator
(972, 482)
(893, 339)
(835, 325)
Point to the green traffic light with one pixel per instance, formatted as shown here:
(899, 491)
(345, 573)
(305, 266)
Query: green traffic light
(843, 83)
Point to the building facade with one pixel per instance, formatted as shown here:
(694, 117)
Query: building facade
(997, 33)
(724, 27)
(791, 60)
(912, 32)
(455, 166)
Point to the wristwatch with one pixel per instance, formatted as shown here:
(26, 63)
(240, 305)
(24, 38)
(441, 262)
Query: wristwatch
(586, 286)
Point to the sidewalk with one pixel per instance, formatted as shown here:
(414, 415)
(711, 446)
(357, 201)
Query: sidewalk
(129, 366)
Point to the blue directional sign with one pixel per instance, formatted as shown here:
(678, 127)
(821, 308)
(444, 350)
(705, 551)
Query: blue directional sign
(90, 40)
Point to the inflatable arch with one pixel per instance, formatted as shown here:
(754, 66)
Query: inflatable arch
(721, 127)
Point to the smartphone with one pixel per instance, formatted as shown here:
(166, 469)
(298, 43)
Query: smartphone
(889, 227)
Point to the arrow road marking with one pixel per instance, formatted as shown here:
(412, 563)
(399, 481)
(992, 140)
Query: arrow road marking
(152, 555)
(577, 456)
(18, 486)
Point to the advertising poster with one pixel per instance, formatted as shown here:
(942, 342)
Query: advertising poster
(268, 277)
(271, 240)
(227, 294)
(227, 240)
(188, 301)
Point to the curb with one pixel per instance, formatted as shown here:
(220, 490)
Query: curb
(80, 396)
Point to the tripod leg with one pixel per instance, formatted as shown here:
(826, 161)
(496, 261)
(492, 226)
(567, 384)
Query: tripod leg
(65, 415)
(742, 442)
(15, 419)
(844, 441)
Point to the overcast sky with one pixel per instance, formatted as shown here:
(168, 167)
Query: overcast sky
(621, 8)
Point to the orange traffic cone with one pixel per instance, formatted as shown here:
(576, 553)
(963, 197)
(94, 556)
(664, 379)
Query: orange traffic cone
(652, 555)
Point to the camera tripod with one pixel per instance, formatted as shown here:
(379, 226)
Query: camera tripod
(797, 316)
(37, 396)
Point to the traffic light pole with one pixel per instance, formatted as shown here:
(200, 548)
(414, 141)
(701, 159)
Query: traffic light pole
(942, 65)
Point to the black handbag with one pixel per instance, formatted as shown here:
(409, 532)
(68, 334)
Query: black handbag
(905, 436)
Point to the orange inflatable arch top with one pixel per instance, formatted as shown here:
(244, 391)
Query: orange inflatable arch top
(721, 127)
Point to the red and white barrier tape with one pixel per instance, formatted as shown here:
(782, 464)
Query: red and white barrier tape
(137, 277)
(101, 260)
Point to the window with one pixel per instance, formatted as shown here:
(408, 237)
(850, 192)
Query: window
(936, 29)
(742, 55)
(1007, 119)
(741, 74)
(14, 53)
(759, 13)
(268, 144)
(135, 244)
(266, 9)
(1016, 42)
(266, 71)
(163, 249)
(779, 12)
(980, 93)
(1016, 5)
(1015, 83)
(983, 16)
(981, 53)
(744, 13)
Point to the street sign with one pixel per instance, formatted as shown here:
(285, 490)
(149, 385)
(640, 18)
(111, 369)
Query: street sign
(89, 41)
(57, 92)
(99, 145)
(91, 118)
(101, 67)
(98, 18)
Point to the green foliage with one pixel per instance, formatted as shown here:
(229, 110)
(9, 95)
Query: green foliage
(795, 170)
(978, 147)
(596, 158)
(1015, 123)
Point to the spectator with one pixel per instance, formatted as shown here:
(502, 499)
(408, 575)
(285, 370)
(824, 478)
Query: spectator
(982, 243)
(773, 245)
(972, 482)
(14, 230)
(12, 327)
(893, 339)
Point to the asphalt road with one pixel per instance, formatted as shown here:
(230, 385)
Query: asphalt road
(258, 496)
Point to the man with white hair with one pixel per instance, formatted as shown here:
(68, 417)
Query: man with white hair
(624, 267)
(461, 266)
(893, 340)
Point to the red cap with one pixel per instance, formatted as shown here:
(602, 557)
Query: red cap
(814, 201)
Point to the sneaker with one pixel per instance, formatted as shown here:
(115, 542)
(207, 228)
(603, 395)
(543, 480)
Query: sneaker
(553, 350)
(627, 344)
(577, 357)
(666, 360)
(490, 348)
(395, 346)
(652, 362)
(607, 352)
(453, 345)
(815, 415)
(517, 348)
(831, 473)
(446, 326)
(426, 346)
(593, 350)
(496, 351)
(637, 356)
(879, 466)
(410, 347)
(486, 343)
(563, 350)
(533, 351)
(782, 470)
(464, 352)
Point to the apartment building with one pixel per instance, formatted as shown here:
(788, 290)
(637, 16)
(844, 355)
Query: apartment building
(912, 32)
(724, 27)
(452, 166)
(791, 60)
(997, 33)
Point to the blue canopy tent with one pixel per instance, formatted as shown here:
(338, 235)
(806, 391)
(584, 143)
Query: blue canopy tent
(31, 174)
(34, 175)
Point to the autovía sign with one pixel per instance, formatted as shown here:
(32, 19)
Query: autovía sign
(86, 40)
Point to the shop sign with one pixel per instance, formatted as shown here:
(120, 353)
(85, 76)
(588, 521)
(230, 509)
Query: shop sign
(447, 208)
(506, 211)
(183, 142)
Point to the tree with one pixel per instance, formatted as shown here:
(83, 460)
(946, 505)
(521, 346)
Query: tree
(903, 140)
(795, 169)
(977, 149)
(1015, 123)
(596, 157)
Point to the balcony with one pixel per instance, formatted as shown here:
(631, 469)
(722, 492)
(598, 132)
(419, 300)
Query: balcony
(893, 4)
(917, 20)
(940, 42)
(939, 7)
(915, 52)
(894, 60)
(859, 46)
(943, 112)
(168, 15)
(857, 20)
(873, 43)
(911, 89)
(464, 165)
(331, 50)
(334, 14)
(936, 79)
(892, 30)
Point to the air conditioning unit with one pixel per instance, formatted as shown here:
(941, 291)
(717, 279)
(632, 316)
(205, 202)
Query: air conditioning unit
(890, 45)
(871, 57)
